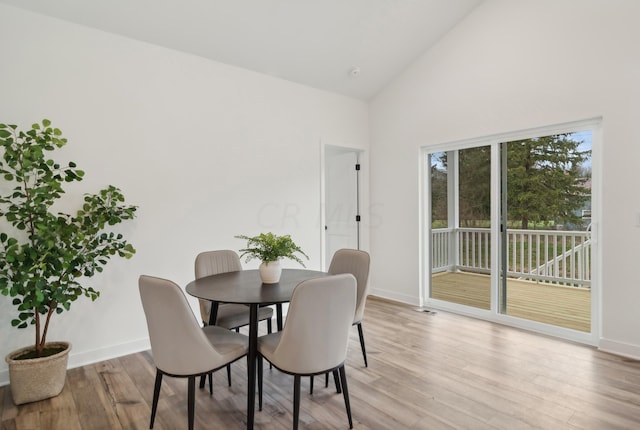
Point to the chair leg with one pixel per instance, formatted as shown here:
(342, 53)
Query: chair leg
(203, 378)
(269, 330)
(364, 351)
(296, 401)
(156, 394)
(229, 374)
(336, 379)
(279, 316)
(326, 381)
(191, 400)
(345, 393)
(259, 382)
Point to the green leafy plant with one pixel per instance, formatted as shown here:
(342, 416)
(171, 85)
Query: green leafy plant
(46, 254)
(268, 247)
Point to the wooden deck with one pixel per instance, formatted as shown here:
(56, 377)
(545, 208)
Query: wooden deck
(562, 306)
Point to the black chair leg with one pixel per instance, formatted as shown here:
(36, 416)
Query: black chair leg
(336, 379)
(211, 383)
(191, 400)
(326, 381)
(296, 401)
(279, 320)
(229, 374)
(345, 393)
(259, 364)
(364, 351)
(203, 379)
(156, 394)
(269, 330)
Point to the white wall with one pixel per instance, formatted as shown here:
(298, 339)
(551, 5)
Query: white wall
(207, 151)
(512, 66)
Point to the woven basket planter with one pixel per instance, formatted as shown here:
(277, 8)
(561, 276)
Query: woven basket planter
(37, 378)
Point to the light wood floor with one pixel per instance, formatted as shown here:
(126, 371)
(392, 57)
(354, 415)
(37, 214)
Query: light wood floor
(426, 371)
(562, 306)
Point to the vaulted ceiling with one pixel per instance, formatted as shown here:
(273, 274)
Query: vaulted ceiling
(351, 47)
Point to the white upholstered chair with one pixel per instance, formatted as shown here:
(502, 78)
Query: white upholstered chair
(315, 336)
(179, 346)
(228, 315)
(357, 263)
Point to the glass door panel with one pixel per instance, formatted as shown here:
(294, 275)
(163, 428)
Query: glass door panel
(460, 187)
(545, 268)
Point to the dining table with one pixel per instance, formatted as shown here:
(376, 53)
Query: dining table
(246, 287)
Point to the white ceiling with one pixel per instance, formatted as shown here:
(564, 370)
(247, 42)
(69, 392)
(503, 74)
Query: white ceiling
(311, 42)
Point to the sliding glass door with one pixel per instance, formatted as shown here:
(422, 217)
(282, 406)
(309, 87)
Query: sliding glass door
(509, 226)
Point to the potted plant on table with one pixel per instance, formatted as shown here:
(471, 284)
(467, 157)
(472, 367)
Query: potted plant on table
(43, 254)
(269, 249)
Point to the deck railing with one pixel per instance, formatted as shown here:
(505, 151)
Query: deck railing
(550, 256)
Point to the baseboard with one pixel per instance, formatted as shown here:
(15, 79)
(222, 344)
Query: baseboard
(620, 348)
(392, 295)
(84, 358)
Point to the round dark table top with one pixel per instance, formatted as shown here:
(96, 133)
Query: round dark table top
(245, 286)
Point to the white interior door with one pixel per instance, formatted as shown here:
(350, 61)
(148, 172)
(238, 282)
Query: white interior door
(341, 199)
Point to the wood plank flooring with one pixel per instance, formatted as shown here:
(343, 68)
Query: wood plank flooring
(426, 371)
(562, 306)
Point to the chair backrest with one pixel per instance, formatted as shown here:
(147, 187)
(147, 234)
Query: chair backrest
(357, 263)
(178, 344)
(214, 262)
(211, 263)
(316, 333)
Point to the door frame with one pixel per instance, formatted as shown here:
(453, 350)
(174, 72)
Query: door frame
(593, 124)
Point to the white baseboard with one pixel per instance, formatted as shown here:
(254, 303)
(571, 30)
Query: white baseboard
(620, 348)
(94, 356)
(392, 295)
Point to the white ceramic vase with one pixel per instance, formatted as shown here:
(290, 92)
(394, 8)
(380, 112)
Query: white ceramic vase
(270, 272)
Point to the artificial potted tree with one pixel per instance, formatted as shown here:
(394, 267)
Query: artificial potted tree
(44, 254)
(269, 249)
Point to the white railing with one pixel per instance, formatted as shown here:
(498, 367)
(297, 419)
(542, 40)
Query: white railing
(440, 258)
(551, 256)
(474, 251)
